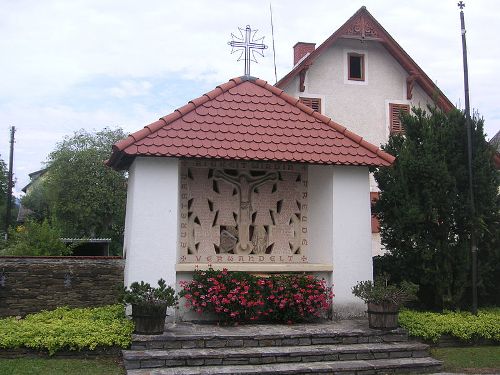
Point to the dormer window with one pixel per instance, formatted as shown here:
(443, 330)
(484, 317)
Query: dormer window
(356, 66)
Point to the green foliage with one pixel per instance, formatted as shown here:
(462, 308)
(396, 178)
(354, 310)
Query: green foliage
(461, 325)
(35, 239)
(380, 291)
(424, 209)
(68, 329)
(144, 294)
(241, 297)
(84, 196)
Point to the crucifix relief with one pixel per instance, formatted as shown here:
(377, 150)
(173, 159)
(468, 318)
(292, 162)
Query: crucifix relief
(245, 184)
(234, 211)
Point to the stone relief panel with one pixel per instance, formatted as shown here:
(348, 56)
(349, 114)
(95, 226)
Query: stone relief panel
(238, 211)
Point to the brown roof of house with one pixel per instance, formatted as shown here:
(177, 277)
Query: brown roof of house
(248, 119)
(362, 25)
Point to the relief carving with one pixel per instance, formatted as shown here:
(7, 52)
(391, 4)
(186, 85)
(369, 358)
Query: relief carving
(234, 214)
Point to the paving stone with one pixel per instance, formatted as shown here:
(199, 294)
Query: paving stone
(290, 342)
(350, 340)
(172, 362)
(381, 355)
(399, 354)
(304, 341)
(266, 342)
(215, 343)
(195, 362)
(235, 343)
(149, 363)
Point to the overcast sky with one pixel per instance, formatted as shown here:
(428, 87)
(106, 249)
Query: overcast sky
(91, 64)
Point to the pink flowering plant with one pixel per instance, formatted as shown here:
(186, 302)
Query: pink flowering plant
(241, 297)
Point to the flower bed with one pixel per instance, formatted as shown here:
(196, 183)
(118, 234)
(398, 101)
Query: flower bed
(241, 297)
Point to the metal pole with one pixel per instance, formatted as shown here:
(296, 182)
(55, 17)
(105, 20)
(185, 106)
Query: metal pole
(10, 184)
(468, 124)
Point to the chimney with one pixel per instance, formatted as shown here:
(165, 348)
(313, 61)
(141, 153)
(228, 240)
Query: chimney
(300, 49)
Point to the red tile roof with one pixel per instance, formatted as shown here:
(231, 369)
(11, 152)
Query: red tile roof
(362, 25)
(248, 119)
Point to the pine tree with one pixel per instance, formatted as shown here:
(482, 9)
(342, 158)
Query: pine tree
(424, 208)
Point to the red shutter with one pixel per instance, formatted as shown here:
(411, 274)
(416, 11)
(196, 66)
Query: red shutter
(395, 111)
(314, 103)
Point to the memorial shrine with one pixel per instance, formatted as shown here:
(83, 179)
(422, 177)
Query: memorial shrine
(248, 178)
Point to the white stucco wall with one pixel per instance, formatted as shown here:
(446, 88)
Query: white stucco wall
(151, 223)
(340, 230)
(362, 107)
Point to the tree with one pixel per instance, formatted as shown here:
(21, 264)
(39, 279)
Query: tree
(424, 209)
(79, 194)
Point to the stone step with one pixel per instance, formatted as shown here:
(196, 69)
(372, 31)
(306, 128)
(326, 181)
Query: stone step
(134, 359)
(188, 335)
(358, 367)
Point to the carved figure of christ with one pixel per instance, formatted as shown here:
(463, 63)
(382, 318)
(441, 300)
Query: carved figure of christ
(245, 184)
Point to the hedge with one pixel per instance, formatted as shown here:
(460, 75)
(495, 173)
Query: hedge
(461, 325)
(68, 329)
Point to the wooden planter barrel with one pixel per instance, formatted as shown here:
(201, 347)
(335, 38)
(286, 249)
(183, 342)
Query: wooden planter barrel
(149, 319)
(383, 316)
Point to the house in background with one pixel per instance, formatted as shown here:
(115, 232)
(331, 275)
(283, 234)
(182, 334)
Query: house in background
(361, 77)
(35, 177)
(248, 178)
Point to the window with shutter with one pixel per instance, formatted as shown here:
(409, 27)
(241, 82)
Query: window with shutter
(314, 103)
(395, 111)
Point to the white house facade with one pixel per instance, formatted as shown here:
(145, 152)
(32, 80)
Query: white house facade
(361, 78)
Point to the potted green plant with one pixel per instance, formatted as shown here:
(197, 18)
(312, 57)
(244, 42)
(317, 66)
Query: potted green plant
(149, 305)
(384, 300)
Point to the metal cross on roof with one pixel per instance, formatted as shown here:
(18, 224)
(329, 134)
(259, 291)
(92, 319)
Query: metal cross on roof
(461, 5)
(248, 45)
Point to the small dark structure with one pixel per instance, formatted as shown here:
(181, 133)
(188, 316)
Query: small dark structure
(88, 246)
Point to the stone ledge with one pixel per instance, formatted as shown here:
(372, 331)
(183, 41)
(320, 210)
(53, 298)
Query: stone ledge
(257, 267)
(415, 365)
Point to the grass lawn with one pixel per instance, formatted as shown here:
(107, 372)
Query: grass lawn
(56, 366)
(476, 359)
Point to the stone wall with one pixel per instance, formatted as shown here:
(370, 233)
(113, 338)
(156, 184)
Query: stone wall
(30, 284)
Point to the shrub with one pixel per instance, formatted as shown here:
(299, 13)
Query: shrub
(380, 291)
(241, 297)
(36, 239)
(144, 294)
(461, 325)
(68, 329)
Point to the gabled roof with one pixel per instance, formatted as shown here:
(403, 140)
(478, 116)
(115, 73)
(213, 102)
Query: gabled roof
(248, 119)
(362, 25)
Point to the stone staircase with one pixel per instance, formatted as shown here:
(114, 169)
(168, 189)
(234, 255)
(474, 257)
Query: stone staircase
(345, 347)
